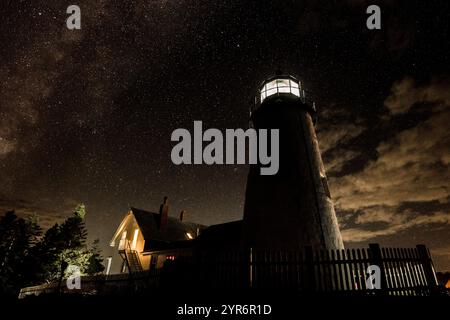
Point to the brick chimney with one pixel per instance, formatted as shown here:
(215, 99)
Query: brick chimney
(163, 214)
(182, 214)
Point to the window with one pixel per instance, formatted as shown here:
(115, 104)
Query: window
(133, 244)
(123, 241)
(280, 86)
(293, 84)
(295, 91)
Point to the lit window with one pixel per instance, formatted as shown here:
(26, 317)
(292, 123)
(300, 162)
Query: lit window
(133, 244)
(283, 86)
(293, 84)
(271, 91)
(280, 86)
(263, 95)
(123, 241)
(271, 85)
(189, 236)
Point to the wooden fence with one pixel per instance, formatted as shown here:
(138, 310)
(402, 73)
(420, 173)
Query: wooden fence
(403, 271)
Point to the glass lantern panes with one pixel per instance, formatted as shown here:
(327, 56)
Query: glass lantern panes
(280, 86)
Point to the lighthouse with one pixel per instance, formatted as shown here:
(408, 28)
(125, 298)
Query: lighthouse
(293, 208)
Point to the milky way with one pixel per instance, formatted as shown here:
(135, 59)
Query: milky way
(86, 115)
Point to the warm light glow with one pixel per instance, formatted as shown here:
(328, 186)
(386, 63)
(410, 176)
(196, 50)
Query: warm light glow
(120, 229)
(280, 86)
(123, 241)
(133, 244)
(190, 237)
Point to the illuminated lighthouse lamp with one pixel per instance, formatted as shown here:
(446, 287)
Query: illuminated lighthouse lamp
(280, 84)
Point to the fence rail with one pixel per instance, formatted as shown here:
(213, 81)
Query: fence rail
(403, 271)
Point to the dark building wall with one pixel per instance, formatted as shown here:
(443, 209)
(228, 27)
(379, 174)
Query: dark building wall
(292, 208)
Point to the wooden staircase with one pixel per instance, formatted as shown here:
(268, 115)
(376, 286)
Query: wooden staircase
(131, 258)
(133, 262)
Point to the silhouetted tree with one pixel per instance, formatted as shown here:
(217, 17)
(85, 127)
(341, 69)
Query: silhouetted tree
(17, 237)
(27, 258)
(95, 260)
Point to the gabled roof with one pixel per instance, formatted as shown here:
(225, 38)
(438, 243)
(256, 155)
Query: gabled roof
(175, 230)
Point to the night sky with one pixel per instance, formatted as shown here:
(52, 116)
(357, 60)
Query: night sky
(86, 115)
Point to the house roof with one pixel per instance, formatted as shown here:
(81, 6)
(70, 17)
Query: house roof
(221, 236)
(175, 230)
(215, 237)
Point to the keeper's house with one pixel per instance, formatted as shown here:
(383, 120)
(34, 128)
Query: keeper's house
(146, 240)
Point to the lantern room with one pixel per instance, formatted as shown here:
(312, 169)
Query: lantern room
(280, 85)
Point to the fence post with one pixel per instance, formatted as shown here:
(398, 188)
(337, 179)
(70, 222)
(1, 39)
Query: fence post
(377, 260)
(428, 268)
(310, 274)
(251, 267)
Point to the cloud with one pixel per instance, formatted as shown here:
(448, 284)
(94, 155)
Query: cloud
(25, 209)
(335, 131)
(401, 223)
(443, 250)
(336, 134)
(6, 144)
(386, 214)
(339, 158)
(411, 167)
(396, 222)
(404, 94)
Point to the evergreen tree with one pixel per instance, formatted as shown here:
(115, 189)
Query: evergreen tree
(17, 237)
(64, 245)
(95, 260)
(27, 258)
